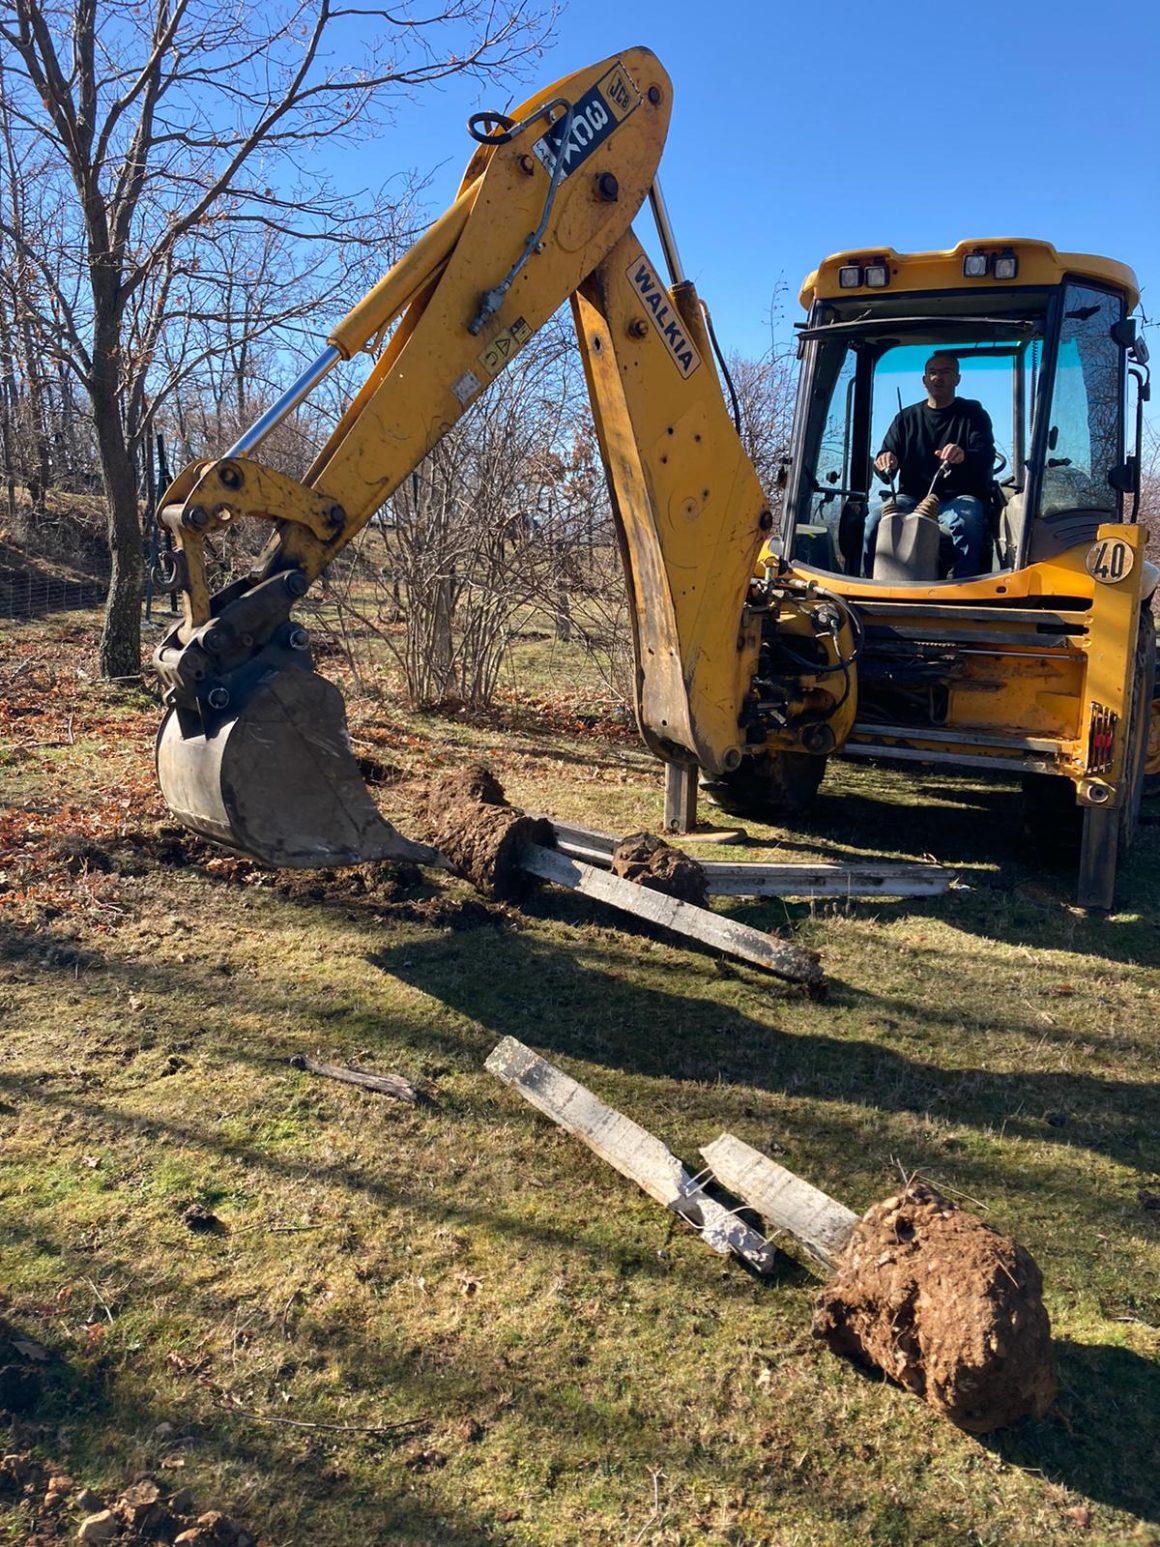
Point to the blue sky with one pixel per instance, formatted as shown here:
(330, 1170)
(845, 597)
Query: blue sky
(799, 131)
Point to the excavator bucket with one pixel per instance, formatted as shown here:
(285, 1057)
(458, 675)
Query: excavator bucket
(277, 780)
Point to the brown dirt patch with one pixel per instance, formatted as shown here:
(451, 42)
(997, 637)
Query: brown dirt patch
(143, 1512)
(946, 1306)
(651, 862)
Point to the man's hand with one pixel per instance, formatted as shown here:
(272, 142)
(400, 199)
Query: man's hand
(886, 462)
(952, 454)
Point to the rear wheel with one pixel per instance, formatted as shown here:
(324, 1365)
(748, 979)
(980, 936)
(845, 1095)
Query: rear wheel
(768, 785)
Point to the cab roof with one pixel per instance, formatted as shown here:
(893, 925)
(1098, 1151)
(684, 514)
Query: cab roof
(1039, 264)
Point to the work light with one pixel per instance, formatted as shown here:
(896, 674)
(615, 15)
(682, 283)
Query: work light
(975, 265)
(1005, 266)
(850, 276)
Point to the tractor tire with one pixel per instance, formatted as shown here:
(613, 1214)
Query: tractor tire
(770, 785)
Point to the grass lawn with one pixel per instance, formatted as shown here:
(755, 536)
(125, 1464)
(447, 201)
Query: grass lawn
(452, 1324)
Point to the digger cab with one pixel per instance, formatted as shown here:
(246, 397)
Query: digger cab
(1023, 665)
(1044, 342)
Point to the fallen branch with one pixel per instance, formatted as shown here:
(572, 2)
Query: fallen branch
(629, 1148)
(386, 1084)
(332, 1428)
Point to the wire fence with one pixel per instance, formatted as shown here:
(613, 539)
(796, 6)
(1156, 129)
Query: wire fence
(27, 595)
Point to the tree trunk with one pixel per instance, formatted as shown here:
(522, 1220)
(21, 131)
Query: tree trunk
(120, 652)
(442, 645)
(563, 598)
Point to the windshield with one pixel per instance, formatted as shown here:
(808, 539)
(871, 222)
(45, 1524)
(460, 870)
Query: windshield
(990, 374)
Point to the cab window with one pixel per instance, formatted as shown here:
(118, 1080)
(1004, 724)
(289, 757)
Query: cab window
(1083, 435)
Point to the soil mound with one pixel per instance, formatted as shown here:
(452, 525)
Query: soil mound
(650, 861)
(946, 1306)
(467, 817)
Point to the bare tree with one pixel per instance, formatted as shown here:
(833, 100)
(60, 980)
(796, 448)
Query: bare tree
(166, 127)
(486, 537)
(765, 394)
(472, 539)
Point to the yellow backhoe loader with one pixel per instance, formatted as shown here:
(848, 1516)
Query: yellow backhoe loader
(758, 652)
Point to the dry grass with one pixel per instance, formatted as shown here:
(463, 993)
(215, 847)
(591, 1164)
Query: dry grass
(577, 1368)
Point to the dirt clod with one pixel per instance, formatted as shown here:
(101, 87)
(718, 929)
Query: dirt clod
(201, 1220)
(101, 1527)
(214, 1529)
(467, 817)
(79, 855)
(946, 1306)
(650, 861)
(425, 1460)
(19, 1471)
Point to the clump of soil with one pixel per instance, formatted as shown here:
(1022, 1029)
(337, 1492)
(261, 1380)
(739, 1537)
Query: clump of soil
(651, 862)
(143, 1512)
(79, 855)
(378, 881)
(456, 913)
(467, 817)
(946, 1306)
(201, 1221)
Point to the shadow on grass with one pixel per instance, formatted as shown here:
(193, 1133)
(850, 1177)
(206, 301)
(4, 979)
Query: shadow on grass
(93, 1414)
(399, 1192)
(1100, 1439)
(962, 826)
(597, 1016)
(85, 1415)
(511, 981)
(976, 830)
(542, 992)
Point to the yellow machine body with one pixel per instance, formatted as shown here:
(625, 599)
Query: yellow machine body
(746, 653)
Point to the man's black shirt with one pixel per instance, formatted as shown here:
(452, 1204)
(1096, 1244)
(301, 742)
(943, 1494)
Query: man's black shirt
(919, 431)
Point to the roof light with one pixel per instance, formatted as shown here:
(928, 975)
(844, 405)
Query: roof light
(1005, 266)
(975, 265)
(877, 276)
(850, 276)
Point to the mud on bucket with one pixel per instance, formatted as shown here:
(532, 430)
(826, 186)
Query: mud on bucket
(276, 779)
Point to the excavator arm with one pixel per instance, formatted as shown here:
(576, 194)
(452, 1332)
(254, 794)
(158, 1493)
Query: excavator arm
(254, 751)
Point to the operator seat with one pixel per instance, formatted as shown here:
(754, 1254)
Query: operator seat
(907, 547)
